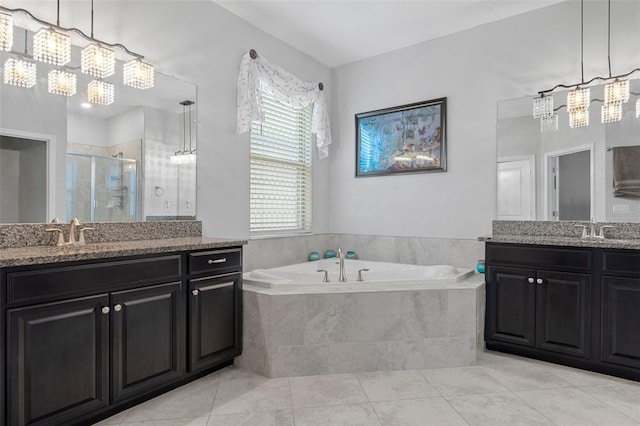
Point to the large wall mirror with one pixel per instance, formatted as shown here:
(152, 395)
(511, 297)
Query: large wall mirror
(62, 157)
(578, 173)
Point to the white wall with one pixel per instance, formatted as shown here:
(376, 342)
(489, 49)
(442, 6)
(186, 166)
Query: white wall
(474, 69)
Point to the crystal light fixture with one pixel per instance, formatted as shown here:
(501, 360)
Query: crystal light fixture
(578, 99)
(612, 112)
(542, 106)
(579, 118)
(97, 61)
(186, 156)
(100, 92)
(62, 83)
(6, 31)
(549, 124)
(617, 91)
(138, 74)
(19, 73)
(52, 47)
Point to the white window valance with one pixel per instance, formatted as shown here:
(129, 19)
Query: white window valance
(257, 75)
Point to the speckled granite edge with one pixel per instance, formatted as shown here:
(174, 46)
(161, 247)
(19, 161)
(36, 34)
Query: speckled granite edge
(548, 240)
(31, 235)
(51, 254)
(618, 230)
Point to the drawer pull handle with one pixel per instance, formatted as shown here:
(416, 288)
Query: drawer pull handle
(211, 261)
(117, 307)
(195, 292)
(531, 280)
(539, 281)
(106, 310)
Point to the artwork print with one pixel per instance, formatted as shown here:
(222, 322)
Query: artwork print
(404, 139)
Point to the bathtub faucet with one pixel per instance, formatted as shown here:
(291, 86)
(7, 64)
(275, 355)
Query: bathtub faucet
(342, 277)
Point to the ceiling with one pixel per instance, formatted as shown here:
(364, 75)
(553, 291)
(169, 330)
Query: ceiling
(337, 32)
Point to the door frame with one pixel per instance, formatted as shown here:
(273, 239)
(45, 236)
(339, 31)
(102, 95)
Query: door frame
(548, 156)
(50, 142)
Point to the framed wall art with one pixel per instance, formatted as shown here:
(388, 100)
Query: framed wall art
(403, 139)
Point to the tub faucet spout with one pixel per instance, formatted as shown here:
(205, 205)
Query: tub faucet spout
(342, 277)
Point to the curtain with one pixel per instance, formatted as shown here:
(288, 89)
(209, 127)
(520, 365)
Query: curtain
(257, 75)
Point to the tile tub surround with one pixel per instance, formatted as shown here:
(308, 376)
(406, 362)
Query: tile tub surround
(34, 234)
(296, 334)
(273, 252)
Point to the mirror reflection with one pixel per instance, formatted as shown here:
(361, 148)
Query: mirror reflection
(568, 173)
(62, 157)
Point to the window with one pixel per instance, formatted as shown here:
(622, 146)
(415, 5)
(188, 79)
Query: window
(280, 183)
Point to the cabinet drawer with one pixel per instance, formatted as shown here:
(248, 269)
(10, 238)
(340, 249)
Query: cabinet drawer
(215, 261)
(50, 283)
(546, 257)
(618, 261)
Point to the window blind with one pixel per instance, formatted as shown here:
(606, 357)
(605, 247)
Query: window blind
(280, 182)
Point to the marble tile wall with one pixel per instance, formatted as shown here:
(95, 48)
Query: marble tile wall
(306, 334)
(272, 252)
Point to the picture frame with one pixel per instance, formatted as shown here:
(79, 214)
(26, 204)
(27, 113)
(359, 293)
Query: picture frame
(404, 139)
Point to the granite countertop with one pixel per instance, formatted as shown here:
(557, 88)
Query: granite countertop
(631, 244)
(52, 254)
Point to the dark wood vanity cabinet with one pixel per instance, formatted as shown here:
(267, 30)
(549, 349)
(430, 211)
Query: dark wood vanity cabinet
(575, 306)
(87, 339)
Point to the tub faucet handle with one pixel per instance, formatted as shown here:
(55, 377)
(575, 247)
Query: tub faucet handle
(325, 279)
(360, 273)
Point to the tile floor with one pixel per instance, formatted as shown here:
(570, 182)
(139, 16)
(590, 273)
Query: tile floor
(500, 390)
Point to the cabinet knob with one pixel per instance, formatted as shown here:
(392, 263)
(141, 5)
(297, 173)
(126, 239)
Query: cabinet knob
(214, 261)
(195, 292)
(531, 280)
(106, 310)
(539, 281)
(117, 307)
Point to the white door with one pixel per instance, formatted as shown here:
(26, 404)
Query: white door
(516, 190)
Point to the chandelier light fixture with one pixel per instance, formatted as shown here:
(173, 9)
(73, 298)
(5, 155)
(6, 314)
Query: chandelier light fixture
(185, 156)
(6, 31)
(61, 82)
(18, 72)
(52, 45)
(616, 92)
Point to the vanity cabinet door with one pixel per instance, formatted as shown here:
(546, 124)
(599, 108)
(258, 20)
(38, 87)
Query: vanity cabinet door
(58, 360)
(621, 319)
(563, 312)
(146, 339)
(215, 321)
(511, 298)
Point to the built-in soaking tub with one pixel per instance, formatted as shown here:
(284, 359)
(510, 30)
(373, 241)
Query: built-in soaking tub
(374, 275)
(399, 317)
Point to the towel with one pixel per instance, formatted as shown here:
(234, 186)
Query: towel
(626, 171)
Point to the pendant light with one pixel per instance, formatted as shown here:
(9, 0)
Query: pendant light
(6, 31)
(20, 72)
(185, 156)
(51, 46)
(97, 60)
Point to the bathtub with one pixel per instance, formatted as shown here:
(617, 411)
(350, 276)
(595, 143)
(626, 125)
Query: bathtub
(380, 275)
(401, 317)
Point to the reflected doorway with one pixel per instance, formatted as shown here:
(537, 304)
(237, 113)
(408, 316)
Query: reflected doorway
(569, 184)
(23, 180)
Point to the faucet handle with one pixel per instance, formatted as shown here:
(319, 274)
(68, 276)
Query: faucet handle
(602, 228)
(360, 274)
(325, 279)
(81, 240)
(60, 241)
(584, 230)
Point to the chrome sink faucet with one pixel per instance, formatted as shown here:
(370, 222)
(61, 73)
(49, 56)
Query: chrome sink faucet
(342, 277)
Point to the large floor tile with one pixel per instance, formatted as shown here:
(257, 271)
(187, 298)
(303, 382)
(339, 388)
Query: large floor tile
(256, 418)
(199, 421)
(462, 381)
(577, 377)
(190, 401)
(571, 406)
(113, 420)
(524, 377)
(417, 412)
(496, 409)
(623, 397)
(393, 385)
(336, 389)
(248, 394)
(338, 415)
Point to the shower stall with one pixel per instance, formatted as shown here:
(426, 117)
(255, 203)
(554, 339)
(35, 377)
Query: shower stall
(102, 189)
